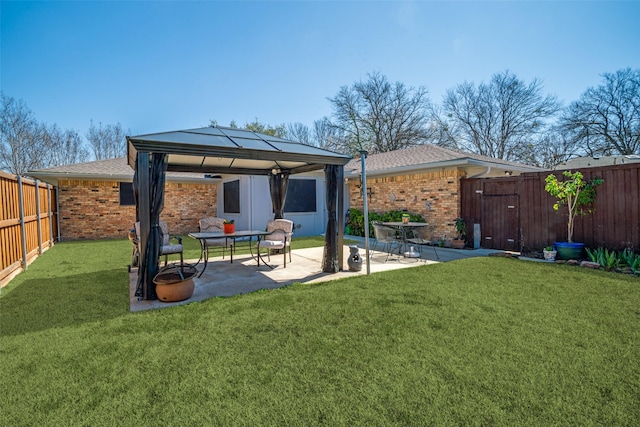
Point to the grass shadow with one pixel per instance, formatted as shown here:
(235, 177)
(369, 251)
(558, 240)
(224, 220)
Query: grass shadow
(40, 304)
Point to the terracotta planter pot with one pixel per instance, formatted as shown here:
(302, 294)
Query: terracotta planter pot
(457, 244)
(229, 228)
(175, 282)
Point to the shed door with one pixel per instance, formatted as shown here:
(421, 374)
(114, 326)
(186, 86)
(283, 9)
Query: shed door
(500, 222)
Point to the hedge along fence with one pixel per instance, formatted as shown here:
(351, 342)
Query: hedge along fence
(28, 223)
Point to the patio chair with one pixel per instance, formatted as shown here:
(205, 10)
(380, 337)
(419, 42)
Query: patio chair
(167, 248)
(213, 224)
(386, 236)
(422, 236)
(280, 238)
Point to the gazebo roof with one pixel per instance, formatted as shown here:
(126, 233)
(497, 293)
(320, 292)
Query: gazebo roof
(226, 150)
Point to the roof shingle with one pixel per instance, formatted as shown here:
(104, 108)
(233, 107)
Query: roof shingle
(423, 156)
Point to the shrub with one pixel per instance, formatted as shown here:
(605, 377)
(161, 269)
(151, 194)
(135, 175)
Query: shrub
(355, 220)
(610, 260)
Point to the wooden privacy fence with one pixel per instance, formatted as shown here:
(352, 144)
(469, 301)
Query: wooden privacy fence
(28, 223)
(516, 213)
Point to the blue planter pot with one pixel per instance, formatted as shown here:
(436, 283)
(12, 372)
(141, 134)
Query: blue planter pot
(568, 250)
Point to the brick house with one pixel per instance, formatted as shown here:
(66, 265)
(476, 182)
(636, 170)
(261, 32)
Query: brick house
(95, 199)
(423, 179)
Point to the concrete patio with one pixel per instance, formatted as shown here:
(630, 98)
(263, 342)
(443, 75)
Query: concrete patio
(224, 279)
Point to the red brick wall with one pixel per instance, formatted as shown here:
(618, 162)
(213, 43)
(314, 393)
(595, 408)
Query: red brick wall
(412, 192)
(185, 204)
(91, 209)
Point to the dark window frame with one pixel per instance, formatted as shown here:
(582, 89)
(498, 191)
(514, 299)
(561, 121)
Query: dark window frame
(126, 196)
(302, 196)
(231, 197)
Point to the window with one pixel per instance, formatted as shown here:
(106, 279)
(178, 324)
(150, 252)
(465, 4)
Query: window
(126, 194)
(232, 196)
(301, 196)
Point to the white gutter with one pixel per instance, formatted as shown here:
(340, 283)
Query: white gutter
(442, 164)
(481, 174)
(52, 178)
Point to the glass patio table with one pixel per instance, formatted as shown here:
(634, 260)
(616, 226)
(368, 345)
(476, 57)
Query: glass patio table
(203, 236)
(404, 227)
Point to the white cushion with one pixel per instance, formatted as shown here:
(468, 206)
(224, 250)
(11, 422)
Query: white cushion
(170, 249)
(272, 243)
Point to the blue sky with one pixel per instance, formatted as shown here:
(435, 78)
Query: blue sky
(157, 66)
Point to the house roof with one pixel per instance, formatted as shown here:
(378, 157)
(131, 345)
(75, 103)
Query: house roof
(111, 169)
(232, 151)
(592, 162)
(427, 156)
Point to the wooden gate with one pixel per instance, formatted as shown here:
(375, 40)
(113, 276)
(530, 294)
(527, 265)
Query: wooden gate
(501, 222)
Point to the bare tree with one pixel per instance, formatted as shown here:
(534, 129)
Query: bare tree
(299, 132)
(444, 133)
(502, 119)
(606, 119)
(64, 147)
(556, 146)
(379, 116)
(108, 141)
(328, 136)
(21, 148)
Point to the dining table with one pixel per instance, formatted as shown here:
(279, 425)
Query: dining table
(404, 228)
(204, 249)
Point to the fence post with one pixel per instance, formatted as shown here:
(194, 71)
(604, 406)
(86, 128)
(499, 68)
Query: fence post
(50, 214)
(23, 232)
(57, 213)
(38, 218)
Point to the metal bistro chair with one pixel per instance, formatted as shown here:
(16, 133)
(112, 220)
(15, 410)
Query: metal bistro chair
(280, 238)
(422, 236)
(167, 248)
(386, 236)
(213, 224)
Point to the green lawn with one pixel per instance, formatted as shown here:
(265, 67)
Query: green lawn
(484, 341)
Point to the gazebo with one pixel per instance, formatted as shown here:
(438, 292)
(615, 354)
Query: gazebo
(222, 150)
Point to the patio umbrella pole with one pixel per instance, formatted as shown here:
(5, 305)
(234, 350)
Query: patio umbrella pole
(365, 208)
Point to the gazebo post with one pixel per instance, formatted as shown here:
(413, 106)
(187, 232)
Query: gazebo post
(340, 241)
(144, 211)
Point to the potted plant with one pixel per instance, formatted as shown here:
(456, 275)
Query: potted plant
(577, 195)
(461, 231)
(549, 253)
(228, 226)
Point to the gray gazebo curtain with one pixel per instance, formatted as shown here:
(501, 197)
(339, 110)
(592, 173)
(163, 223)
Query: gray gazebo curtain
(330, 258)
(278, 183)
(148, 263)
